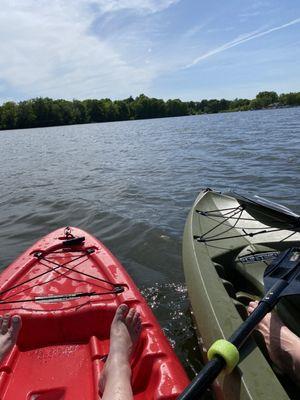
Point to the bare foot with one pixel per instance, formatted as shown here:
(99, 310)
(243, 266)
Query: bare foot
(9, 330)
(282, 344)
(124, 334)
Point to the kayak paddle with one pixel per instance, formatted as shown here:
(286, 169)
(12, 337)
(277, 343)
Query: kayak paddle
(268, 212)
(281, 278)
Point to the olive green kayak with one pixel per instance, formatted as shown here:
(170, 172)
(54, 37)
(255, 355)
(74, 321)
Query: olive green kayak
(227, 246)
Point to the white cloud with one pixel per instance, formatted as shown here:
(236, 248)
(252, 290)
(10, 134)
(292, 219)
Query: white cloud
(250, 14)
(48, 49)
(240, 40)
(103, 48)
(135, 5)
(194, 30)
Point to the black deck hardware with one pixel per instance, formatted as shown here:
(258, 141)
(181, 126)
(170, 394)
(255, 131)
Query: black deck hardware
(74, 242)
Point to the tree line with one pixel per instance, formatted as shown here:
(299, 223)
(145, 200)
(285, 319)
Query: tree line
(42, 112)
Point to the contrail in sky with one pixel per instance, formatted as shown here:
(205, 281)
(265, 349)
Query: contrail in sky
(238, 41)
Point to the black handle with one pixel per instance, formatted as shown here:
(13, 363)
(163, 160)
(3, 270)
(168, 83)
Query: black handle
(77, 241)
(202, 381)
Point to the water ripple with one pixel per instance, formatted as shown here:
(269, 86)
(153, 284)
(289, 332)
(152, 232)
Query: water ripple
(132, 183)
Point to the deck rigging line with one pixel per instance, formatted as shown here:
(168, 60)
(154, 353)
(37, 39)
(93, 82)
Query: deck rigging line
(234, 213)
(116, 288)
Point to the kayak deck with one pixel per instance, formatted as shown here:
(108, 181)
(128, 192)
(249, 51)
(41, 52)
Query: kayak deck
(67, 295)
(226, 249)
(70, 369)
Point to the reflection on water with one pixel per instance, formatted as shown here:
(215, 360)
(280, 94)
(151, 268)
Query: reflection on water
(170, 304)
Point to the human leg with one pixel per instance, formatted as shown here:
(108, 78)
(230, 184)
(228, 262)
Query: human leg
(115, 381)
(282, 344)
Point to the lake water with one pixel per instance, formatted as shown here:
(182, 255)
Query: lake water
(131, 184)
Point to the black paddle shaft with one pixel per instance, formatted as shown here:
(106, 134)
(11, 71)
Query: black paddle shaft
(203, 380)
(213, 368)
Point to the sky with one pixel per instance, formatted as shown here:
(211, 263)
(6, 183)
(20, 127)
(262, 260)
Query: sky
(187, 49)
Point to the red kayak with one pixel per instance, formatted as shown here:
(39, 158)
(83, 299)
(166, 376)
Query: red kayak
(67, 287)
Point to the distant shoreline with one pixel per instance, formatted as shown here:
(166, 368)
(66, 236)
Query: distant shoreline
(46, 112)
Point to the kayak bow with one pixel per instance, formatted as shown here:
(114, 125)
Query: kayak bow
(226, 248)
(66, 288)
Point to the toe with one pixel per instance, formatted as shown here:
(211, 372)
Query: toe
(138, 327)
(130, 316)
(121, 312)
(16, 324)
(136, 318)
(5, 324)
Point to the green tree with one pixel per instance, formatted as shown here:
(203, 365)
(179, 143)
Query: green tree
(239, 104)
(95, 111)
(26, 117)
(80, 112)
(224, 105)
(109, 110)
(47, 112)
(43, 109)
(290, 99)
(122, 108)
(65, 110)
(145, 107)
(264, 99)
(213, 106)
(176, 108)
(9, 115)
